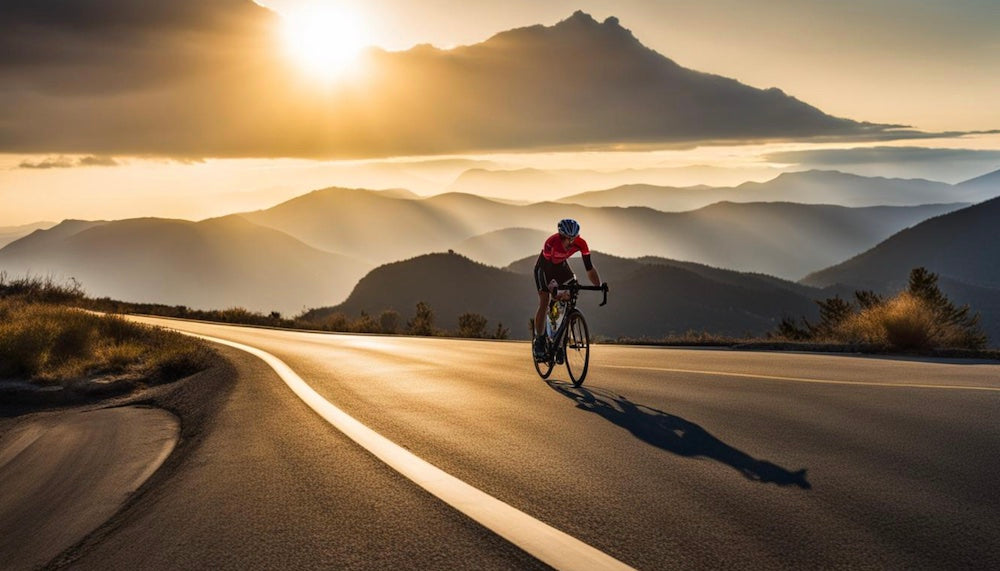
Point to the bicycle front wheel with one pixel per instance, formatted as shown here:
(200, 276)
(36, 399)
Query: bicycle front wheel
(577, 347)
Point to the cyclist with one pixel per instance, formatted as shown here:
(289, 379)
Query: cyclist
(552, 266)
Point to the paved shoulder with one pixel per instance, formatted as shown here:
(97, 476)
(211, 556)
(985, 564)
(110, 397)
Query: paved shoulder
(65, 474)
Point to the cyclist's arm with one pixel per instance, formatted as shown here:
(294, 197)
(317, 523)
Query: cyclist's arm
(588, 265)
(593, 276)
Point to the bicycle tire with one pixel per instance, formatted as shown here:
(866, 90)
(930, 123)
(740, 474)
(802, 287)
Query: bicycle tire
(545, 367)
(576, 347)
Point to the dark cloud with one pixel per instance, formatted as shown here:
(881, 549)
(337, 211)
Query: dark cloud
(49, 163)
(62, 162)
(203, 78)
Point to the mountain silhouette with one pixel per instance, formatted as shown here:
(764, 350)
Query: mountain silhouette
(810, 187)
(781, 239)
(214, 264)
(584, 80)
(963, 245)
(10, 234)
(648, 298)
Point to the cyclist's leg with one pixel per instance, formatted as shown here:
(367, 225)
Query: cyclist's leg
(543, 304)
(541, 285)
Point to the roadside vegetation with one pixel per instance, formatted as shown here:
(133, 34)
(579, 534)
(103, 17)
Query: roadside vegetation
(919, 319)
(47, 340)
(42, 338)
(389, 321)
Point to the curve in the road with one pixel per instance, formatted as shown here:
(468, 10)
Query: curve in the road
(537, 538)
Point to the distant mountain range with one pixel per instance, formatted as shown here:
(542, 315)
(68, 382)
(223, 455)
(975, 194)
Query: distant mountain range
(650, 297)
(214, 264)
(810, 187)
(963, 245)
(535, 185)
(781, 239)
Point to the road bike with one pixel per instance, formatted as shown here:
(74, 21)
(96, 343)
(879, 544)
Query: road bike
(567, 337)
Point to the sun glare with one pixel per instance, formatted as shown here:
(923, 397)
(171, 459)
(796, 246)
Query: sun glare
(324, 39)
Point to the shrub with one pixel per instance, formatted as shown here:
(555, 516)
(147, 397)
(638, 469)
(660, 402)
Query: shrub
(472, 325)
(365, 324)
(388, 321)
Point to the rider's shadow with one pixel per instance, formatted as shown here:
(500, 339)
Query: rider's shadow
(674, 434)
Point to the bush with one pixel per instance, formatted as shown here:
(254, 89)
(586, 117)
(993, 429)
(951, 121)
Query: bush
(365, 324)
(472, 325)
(920, 318)
(388, 321)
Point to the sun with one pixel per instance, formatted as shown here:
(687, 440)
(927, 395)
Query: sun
(325, 39)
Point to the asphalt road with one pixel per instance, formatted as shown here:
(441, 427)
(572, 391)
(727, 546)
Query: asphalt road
(665, 458)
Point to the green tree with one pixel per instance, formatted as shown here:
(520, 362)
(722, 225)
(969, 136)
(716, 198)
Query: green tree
(832, 312)
(423, 322)
(956, 322)
(867, 299)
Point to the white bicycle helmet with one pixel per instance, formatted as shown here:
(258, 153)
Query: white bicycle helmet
(569, 227)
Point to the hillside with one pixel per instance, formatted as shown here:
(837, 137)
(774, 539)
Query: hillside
(496, 248)
(963, 245)
(10, 234)
(217, 263)
(646, 299)
(785, 240)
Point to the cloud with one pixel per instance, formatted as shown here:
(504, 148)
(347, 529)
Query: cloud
(192, 78)
(62, 162)
(49, 163)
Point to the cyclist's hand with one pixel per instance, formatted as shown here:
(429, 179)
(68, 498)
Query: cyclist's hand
(604, 286)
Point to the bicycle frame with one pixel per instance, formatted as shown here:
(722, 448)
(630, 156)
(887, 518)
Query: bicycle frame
(574, 289)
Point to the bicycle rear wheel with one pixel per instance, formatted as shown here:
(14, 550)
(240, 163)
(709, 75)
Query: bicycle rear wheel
(576, 345)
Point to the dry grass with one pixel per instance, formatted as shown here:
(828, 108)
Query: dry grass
(902, 323)
(54, 344)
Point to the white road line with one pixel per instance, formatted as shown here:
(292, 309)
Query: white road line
(540, 540)
(805, 380)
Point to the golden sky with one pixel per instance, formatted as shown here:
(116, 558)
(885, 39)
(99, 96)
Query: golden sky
(192, 108)
(933, 64)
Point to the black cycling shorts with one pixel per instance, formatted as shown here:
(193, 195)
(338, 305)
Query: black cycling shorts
(546, 271)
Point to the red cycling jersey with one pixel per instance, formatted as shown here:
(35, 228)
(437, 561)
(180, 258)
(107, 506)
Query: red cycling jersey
(554, 252)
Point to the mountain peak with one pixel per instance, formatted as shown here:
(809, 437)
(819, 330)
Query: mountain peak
(583, 18)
